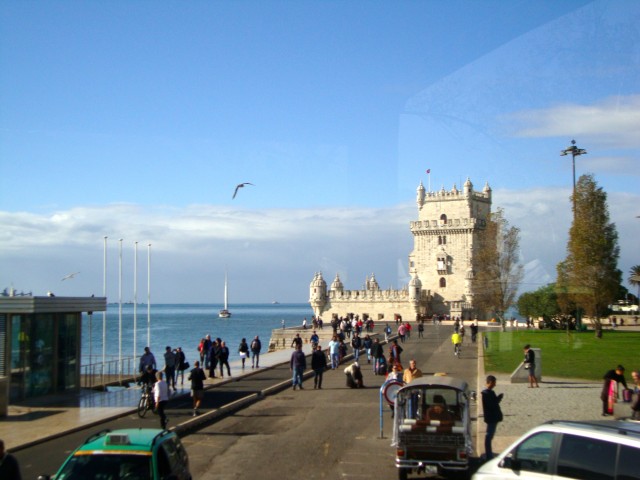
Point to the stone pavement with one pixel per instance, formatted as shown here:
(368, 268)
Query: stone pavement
(523, 407)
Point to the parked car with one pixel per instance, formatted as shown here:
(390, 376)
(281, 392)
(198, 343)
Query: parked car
(598, 450)
(131, 454)
(432, 427)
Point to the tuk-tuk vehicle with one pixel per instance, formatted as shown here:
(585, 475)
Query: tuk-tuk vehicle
(432, 427)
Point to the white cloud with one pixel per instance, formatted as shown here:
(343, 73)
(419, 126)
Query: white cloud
(610, 123)
(270, 254)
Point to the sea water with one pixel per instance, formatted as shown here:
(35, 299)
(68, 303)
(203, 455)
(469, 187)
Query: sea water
(182, 325)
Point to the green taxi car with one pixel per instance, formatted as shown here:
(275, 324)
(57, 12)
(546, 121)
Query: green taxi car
(132, 454)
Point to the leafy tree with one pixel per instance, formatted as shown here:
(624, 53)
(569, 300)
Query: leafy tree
(589, 276)
(497, 269)
(634, 277)
(541, 303)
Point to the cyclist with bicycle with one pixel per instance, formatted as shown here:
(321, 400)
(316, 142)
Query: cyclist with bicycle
(147, 380)
(456, 339)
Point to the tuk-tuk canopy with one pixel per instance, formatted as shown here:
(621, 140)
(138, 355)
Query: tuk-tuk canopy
(436, 381)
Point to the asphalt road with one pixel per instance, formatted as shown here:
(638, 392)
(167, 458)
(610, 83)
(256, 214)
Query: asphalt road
(333, 433)
(329, 433)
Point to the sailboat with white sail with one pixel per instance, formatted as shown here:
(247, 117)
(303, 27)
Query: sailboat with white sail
(225, 313)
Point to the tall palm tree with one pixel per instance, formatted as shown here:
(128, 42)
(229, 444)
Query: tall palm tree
(634, 278)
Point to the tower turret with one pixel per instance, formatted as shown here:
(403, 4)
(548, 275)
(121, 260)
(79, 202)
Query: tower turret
(420, 196)
(415, 289)
(468, 187)
(337, 285)
(318, 294)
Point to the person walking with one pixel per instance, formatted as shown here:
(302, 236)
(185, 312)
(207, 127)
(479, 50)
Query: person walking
(474, 331)
(456, 339)
(378, 357)
(297, 364)
(367, 343)
(402, 331)
(223, 358)
(147, 359)
(492, 414)
(530, 365)
(356, 344)
(421, 329)
(395, 351)
(256, 346)
(170, 368)
(387, 332)
(9, 467)
(318, 365)
(412, 372)
(161, 397)
(334, 352)
(243, 350)
(610, 389)
(635, 405)
(197, 378)
(297, 340)
(182, 365)
(213, 357)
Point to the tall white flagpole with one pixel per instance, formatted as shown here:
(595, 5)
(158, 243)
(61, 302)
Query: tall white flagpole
(135, 304)
(149, 295)
(104, 314)
(120, 312)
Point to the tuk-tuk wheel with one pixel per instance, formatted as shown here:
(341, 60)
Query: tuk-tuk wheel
(403, 474)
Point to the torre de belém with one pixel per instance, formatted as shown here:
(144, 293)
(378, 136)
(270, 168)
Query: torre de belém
(445, 241)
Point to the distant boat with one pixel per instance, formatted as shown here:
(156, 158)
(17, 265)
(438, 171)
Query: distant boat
(225, 313)
(275, 302)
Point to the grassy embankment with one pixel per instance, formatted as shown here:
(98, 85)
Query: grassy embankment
(573, 355)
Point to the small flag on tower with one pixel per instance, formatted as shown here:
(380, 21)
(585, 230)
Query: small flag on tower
(428, 170)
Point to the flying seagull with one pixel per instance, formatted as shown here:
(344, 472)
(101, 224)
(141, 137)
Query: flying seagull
(67, 277)
(240, 186)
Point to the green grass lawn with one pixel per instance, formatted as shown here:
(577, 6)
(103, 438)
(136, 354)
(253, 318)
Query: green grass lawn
(573, 355)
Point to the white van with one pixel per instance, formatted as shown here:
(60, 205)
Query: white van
(598, 450)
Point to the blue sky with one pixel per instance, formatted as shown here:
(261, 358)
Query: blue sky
(136, 120)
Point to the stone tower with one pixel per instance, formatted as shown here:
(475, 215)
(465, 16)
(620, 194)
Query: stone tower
(445, 234)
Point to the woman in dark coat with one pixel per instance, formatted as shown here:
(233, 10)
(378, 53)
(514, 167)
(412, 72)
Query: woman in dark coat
(530, 365)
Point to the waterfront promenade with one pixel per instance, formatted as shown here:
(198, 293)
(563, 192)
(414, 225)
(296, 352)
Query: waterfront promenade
(523, 407)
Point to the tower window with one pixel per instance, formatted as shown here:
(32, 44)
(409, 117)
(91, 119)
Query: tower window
(443, 219)
(443, 282)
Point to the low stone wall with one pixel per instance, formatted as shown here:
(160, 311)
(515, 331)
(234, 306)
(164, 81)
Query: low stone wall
(281, 338)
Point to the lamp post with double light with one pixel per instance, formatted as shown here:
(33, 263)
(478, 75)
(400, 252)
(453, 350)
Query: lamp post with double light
(574, 151)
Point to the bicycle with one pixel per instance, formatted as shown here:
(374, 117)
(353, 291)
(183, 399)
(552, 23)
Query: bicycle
(146, 401)
(457, 349)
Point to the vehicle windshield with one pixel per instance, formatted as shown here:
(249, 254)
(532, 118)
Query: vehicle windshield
(107, 467)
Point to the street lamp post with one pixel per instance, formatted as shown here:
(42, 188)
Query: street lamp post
(574, 152)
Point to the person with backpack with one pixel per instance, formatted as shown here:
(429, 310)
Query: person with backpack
(256, 346)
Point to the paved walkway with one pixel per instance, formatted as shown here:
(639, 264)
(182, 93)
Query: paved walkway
(53, 415)
(523, 407)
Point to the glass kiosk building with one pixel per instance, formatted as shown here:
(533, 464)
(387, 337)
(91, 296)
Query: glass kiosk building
(40, 345)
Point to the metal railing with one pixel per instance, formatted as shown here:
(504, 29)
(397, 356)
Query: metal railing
(111, 372)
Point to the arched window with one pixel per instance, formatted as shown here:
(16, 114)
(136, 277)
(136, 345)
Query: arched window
(443, 219)
(444, 240)
(443, 282)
